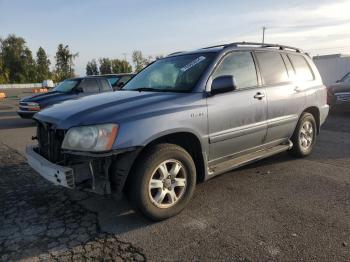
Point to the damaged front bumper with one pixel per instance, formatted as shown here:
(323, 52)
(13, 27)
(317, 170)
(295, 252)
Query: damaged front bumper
(101, 174)
(58, 175)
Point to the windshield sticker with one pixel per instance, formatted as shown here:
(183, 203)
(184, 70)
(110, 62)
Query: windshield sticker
(193, 63)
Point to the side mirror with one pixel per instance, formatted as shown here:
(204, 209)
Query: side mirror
(223, 84)
(79, 90)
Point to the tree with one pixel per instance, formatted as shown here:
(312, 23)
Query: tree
(120, 66)
(105, 66)
(139, 60)
(64, 63)
(91, 68)
(4, 74)
(42, 65)
(18, 65)
(29, 66)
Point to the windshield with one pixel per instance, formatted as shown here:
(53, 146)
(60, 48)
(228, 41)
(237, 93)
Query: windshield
(172, 74)
(66, 86)
(346, 78)
(113, 80)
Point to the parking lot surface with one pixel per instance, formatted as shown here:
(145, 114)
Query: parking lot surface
(278, 209)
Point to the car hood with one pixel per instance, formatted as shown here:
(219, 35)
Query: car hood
(339, 87)
(46, 98)
(112, 108)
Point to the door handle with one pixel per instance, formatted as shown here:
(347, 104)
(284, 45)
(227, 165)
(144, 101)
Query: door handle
(259, 96)
(297, 89)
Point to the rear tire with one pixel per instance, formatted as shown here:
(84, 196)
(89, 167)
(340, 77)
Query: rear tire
(304, 136)
(163, 181)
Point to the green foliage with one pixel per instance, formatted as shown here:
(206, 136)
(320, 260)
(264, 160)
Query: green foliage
(120, 66)
(64, 63)
(91, 68)
(4, 74)
(139, 60)
(105, 66)
(17, 64)
(42, 66)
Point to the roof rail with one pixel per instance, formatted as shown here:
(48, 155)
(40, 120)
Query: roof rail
(175, 53)
(281, 47)
(262, 45)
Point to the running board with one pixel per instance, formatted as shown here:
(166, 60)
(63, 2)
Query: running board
(248, 158)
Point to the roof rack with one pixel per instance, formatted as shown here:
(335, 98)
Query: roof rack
(175, 53)
(265, 45)
(281, 47)
(262, 45)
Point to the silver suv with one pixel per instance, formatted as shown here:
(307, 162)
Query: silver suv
(183, 119)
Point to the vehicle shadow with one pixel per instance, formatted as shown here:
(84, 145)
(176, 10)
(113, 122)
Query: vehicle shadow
(15, 122)
(7, 113)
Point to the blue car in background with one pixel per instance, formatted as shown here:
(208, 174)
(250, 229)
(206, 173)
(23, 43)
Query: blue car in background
(73, 88)
(117, 81)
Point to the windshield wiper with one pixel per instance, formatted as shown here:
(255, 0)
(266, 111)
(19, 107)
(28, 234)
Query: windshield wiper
(140, 89)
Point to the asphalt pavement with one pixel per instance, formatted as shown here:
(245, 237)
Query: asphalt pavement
(278, 209)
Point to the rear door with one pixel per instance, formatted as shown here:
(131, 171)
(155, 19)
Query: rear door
(237, 119)
(284, 98)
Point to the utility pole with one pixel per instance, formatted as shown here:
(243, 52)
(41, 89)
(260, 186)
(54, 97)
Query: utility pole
(263, 37)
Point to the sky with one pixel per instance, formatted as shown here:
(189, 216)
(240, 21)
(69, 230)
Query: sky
(107, 28)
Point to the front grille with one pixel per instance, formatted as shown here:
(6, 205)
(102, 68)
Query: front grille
(50, 142)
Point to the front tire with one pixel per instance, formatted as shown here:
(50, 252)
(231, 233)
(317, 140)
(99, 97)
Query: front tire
(304, 136)
(163, 181)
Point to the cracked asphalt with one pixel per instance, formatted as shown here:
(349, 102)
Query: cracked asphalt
(42, 222)
(278, 209)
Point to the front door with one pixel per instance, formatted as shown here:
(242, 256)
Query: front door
(237, 119)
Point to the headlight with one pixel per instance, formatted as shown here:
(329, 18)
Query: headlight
(32, 106)
(91, 138)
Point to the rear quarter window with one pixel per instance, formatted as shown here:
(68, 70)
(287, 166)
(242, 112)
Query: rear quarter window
(272, 68)
(302, 68)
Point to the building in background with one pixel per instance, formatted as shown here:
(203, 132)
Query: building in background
(332, 67)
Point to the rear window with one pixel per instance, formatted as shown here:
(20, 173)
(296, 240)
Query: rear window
(302, 68)
(272, 67)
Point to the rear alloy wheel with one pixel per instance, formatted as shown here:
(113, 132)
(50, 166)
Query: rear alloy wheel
(163, 181)
(304, 136)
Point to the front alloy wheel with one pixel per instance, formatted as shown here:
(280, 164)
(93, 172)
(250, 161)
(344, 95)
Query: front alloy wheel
(167, 184)
(163, 181)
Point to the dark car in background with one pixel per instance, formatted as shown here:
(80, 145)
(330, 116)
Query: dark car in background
(73, 88)
(339, 93)
(117, 81)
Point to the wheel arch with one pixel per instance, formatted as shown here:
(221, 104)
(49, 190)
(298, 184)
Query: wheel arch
(187, 140)
(315, 112)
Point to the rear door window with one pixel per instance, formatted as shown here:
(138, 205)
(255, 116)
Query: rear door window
(302, 68)
(289, 66)
(105, 86)
(89, 85)
(272, 67)
(241, 66)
